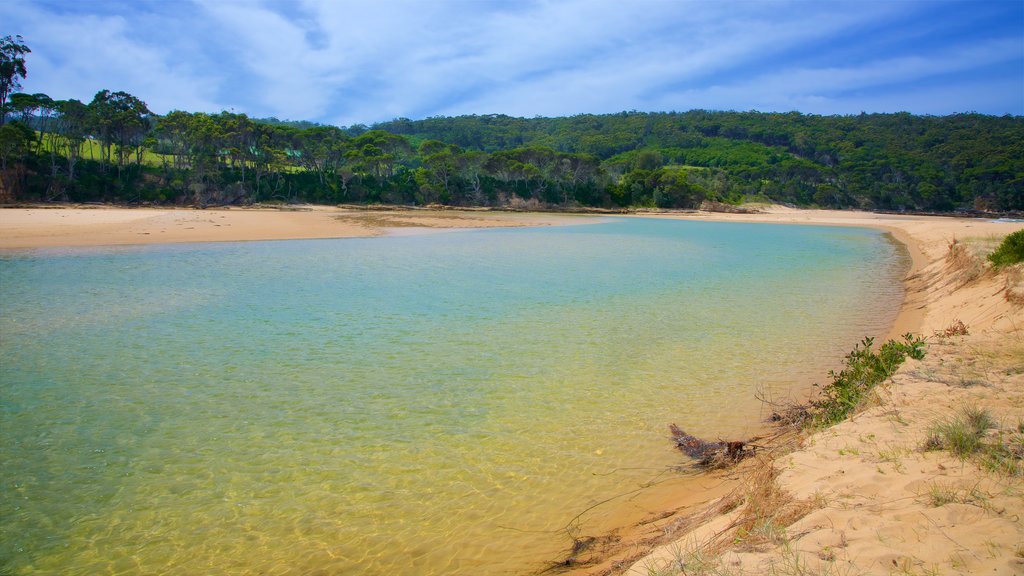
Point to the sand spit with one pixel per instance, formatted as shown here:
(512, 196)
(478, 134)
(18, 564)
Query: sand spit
(49, 227)
(866, 496)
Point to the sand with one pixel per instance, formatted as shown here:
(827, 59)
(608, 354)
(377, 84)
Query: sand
(862, 497)
(45, 227)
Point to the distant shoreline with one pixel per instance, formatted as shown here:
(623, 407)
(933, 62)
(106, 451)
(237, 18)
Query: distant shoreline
(28, 226)
(48, 226)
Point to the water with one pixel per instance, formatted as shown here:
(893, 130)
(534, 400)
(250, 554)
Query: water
(439, 404)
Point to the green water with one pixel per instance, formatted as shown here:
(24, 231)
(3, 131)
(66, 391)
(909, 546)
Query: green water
(438, 404)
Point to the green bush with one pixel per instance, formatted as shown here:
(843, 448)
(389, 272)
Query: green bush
(1010, 251)
(864, 370)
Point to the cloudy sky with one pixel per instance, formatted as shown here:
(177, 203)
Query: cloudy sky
(363, 61)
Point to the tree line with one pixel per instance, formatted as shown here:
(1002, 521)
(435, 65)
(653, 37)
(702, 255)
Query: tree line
(114, 149)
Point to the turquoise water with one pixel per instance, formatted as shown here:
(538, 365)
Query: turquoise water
(437, 404)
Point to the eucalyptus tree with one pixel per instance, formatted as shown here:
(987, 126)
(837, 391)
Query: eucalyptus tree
(322, 150)
(70, 134)
(237, 136)
(376, 152)
(440, 166)
(15, 145)
(12, 69)
(119, 119)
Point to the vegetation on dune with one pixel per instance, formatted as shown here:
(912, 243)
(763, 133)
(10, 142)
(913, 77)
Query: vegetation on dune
(865, 368)
(973, 433)
(1011, 251)
(115, 149)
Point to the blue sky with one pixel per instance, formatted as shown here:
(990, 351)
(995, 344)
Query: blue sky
(345, 62)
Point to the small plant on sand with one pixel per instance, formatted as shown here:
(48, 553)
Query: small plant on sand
(1006, 456)
(963, 434)
(940, 494)
(966, 437)
(957, 328)
(1010, 251)
(864, 370)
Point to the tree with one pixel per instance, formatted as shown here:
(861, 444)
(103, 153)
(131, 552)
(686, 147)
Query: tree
(435, 178)
(15, 144)
(71, 130)
(12, 68)
(120, 119)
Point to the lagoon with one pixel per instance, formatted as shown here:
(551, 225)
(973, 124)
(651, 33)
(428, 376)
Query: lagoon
(434, 404)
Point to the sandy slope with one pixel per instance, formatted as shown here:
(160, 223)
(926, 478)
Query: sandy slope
(864, 497)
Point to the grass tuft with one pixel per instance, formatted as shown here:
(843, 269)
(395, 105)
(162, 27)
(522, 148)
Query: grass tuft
(963, 434)
(965, 437)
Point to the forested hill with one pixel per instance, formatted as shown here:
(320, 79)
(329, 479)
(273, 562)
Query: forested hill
(114, 149)
(887, 161)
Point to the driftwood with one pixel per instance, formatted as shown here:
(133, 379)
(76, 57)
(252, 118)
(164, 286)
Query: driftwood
(710, 453)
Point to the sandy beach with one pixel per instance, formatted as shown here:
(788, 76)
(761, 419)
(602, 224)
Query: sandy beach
(863, 497)
(46, 227)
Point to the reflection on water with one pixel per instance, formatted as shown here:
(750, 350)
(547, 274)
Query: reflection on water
(435, 404)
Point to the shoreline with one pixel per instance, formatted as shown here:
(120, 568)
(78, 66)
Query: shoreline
(937, 294)
(925, 238)
(679, 499)
(79, 226)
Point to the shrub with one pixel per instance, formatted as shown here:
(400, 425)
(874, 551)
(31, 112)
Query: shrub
(864, 370)
(1010, 251)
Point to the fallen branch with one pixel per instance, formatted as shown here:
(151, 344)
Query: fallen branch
(710, 453)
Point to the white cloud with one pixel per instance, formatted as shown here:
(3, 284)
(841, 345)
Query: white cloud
(361, 61)
(853, 89)
(75, 56)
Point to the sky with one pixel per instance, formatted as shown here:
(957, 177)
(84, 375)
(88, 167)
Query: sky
(348, 62)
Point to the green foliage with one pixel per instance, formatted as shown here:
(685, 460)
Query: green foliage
(864, 370)
(12, 69)
(1010, 251)
(631, 159)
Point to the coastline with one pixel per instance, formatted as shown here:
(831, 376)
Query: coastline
(83, 226)
(680, 506)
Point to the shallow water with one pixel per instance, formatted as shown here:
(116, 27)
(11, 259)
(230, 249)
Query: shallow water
(439, 404)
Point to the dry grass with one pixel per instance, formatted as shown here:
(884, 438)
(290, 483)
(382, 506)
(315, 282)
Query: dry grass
(957, 328)
(966, 259)
(1015, 284)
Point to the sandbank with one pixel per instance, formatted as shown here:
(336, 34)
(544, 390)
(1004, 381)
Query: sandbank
(76, 226)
